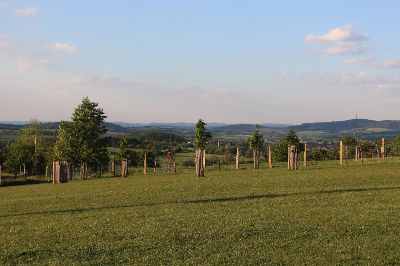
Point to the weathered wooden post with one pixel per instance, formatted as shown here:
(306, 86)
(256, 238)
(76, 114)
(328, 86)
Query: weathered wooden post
(199, 163)
(56, 173)
(237, 159)
(113, 166)
(269, 157)
(155, 163)
(145, 164)
(305, 155)
(47, 173)
(83, 170)
(204, 159)
(256, 159)
(0, 174)
(52, 172)
(24, 173)
(341, 153)
(292, 157)
(383, 149)
(124, 167)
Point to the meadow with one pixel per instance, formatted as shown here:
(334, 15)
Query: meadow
(322, 214)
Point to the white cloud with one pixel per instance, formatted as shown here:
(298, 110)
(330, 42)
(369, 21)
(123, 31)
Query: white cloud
(22, 65)
(65, 47)
(219, 93)
(44, 62)
(25, 64)
(359, 79)
(391, 64)
(103, 81)
(28, 11)
(387, 88)
(368, 62)
(344, 34)
(358, 61)
(340, 41)
(343, 48)
(284, 73)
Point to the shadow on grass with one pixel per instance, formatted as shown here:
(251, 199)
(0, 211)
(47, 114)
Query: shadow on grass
(20, 182)
(203, 201)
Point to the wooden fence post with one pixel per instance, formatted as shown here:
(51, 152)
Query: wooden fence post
(47, 173)
(383, 149)
(305, 155)
(199, 163)
(155, 163)
(124, 168)
(341, 153)
(269, 157)
(292, 158)
(356, 155)
(237, 159)
(0, 174)
(145, 164)
(204, 159)
(113, 166)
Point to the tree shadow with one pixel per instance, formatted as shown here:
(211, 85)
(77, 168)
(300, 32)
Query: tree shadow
(9, 182)
(205, 201)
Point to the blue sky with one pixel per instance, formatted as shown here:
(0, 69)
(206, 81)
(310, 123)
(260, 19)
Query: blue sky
(226, 61)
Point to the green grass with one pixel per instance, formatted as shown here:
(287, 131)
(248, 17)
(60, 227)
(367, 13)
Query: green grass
(324, 214)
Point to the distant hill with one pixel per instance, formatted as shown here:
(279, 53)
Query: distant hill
(55, 125)
(338, 126)
(165, 125)
(275, 125)
(236, 129)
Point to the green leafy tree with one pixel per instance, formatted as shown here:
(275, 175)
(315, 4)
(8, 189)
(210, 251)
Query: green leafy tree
(256, 143)
(202, 136)
(393, 146)
(80, 140)
(123, 152)
(29, 149)
(281, 150)
(63, 147)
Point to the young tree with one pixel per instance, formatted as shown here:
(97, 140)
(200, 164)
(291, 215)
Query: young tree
(202, 136)
(80, 140)
(123, 152)
(256, 142)
(63, 147)
(29, 149)
(281, 149)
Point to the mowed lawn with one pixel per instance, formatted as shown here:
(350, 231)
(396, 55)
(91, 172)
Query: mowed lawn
(324, 214)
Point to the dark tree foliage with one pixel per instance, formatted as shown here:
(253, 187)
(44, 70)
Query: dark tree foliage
(123, 152)
(256, 141)
(281, 149)
(201, 135)
(28, 149)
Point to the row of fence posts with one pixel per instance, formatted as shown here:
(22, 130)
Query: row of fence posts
(292, 163)
(62, 171)
(359, 154)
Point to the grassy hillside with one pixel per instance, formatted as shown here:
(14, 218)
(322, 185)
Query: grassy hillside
(320, 215)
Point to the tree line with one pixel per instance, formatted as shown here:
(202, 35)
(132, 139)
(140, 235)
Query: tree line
(82, 141)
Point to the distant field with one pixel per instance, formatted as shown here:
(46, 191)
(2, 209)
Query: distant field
(324, 214)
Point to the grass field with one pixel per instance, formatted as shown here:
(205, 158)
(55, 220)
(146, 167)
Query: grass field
(320, 215)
